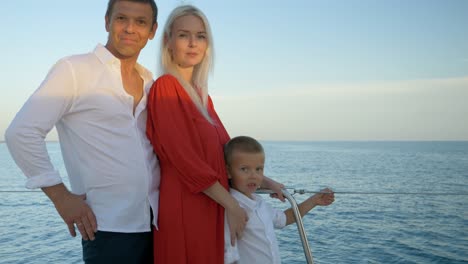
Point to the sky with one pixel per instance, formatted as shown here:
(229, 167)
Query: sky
(284, 70)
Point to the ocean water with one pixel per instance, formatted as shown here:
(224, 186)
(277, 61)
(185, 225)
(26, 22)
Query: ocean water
(395, 202)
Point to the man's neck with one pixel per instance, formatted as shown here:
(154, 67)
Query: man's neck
(127, 67)
(127, 64)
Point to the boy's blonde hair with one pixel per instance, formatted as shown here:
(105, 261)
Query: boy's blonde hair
(243, 144)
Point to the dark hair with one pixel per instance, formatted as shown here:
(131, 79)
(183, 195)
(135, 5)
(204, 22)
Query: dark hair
(243, 144)
(153, 5)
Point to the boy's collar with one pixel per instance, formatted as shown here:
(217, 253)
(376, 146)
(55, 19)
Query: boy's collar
(244, 200)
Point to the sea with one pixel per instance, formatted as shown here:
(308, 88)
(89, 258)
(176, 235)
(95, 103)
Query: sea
(395, 202)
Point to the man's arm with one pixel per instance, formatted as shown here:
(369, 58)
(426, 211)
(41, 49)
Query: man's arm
(25, 138)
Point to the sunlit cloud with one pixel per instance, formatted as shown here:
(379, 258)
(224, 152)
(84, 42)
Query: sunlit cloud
(368, 88)
(432, 109)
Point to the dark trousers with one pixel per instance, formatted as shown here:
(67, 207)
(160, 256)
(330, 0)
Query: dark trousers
(119, 248)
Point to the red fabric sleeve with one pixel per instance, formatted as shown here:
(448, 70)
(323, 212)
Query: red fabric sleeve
(172, 130)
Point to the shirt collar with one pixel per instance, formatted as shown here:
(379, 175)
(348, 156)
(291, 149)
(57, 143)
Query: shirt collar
(245, 201)
(107, 58)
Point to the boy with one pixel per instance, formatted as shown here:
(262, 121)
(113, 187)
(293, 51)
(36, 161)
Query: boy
(245, 160)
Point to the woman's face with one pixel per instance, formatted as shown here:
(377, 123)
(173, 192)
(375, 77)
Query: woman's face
(188, 41)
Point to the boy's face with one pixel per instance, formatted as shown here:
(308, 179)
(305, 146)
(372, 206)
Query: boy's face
(246, 171)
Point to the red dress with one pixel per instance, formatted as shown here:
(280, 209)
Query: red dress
(190, 151)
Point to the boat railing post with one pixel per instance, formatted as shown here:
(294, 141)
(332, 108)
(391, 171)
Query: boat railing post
(299, 223)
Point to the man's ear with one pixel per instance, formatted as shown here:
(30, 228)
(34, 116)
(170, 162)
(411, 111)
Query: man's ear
(153, 31)
(107, 21)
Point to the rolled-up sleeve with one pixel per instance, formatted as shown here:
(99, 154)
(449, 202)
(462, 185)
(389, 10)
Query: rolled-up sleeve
(279, 219)
(25, 136)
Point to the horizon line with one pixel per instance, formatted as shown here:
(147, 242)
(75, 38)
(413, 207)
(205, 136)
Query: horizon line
(335, 140)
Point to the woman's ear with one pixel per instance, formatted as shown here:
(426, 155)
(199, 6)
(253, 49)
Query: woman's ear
(228, 168)
(166, 43)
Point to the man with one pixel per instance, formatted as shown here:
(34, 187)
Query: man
(97, 101)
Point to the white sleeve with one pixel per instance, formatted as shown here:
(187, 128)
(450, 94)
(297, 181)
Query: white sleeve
(231, 253)
(26, 133)
(279, 218)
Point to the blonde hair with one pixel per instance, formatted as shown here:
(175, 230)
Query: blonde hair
(243, 144)
(200, 71)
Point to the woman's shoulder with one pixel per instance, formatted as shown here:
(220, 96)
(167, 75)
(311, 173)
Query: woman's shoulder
(167, 78)
(165, 82)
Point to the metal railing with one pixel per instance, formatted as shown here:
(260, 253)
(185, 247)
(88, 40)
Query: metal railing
(299, 223)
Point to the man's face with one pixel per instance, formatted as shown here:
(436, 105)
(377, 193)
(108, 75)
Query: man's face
(130, 26)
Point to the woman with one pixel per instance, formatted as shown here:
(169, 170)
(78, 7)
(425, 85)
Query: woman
(188, 137)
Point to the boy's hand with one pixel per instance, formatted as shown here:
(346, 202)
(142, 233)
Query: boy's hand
(324, 197)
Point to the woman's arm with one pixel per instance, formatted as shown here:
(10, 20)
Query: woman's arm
(174, 127)
(275, 186)
(236, 216)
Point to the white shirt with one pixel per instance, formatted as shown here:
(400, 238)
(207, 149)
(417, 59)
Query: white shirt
(258, 243)
(104, 146)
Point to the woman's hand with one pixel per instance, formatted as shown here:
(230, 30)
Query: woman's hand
(237, 219)
(236, 216)
(275, 186)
